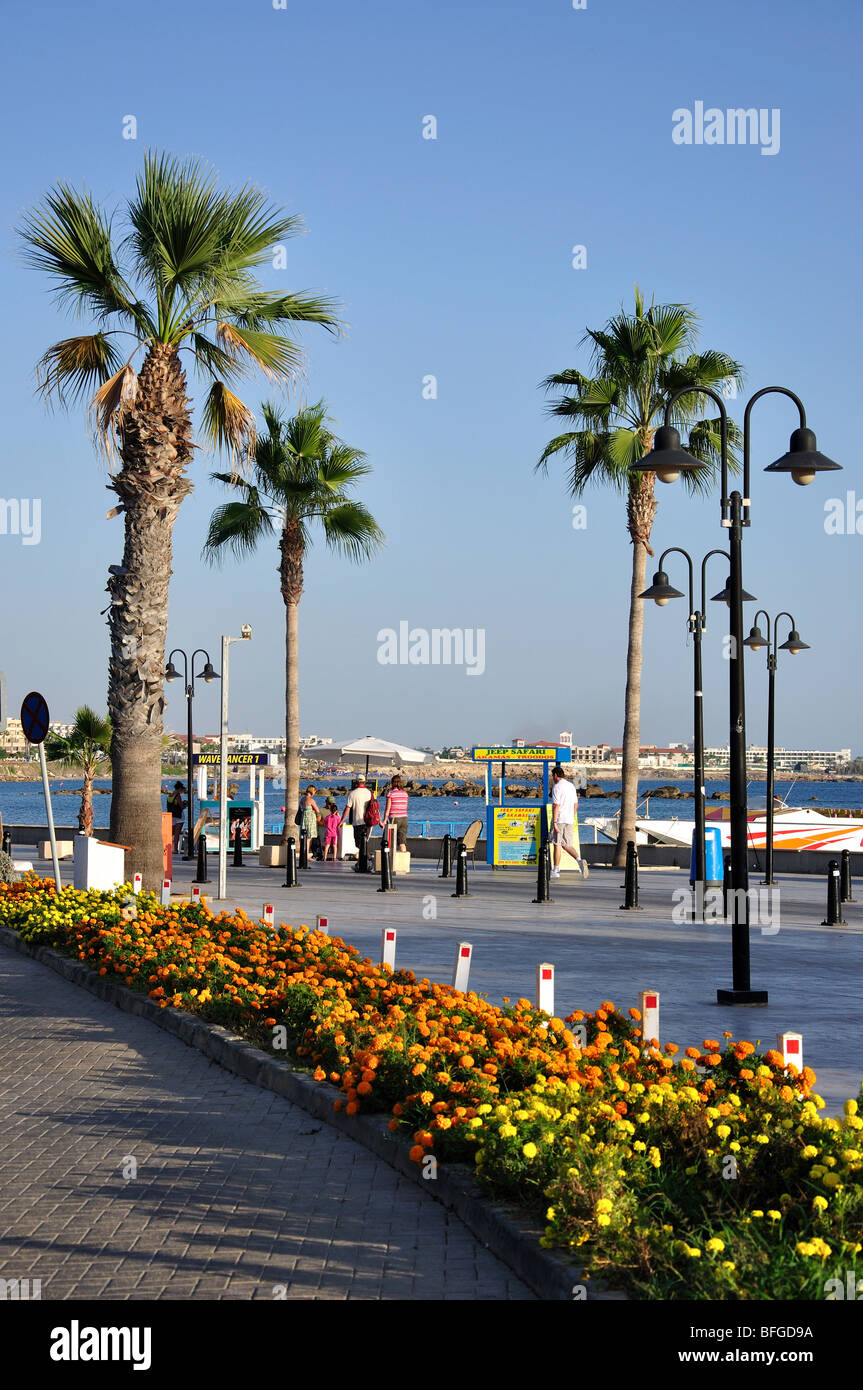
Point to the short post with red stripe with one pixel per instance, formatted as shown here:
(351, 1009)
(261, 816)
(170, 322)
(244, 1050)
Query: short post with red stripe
(137, 881)
(388, 947)
(461, 969)
(545, 988)
(791, 1047)
(196, 893)
(268, 914)
(165, 899)
(650, 1016)
(322, 924)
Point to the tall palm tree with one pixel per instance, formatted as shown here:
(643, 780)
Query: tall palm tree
(180, 280)
(637, 361)
(87, 747)
(302, 473)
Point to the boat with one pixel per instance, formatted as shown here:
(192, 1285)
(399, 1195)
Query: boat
(794, 827)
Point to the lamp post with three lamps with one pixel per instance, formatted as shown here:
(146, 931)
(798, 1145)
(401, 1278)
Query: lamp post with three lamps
(803, 461)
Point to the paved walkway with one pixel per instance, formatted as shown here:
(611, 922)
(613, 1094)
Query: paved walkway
(238, 1194)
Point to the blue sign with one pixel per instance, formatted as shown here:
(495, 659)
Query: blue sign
(34, 717)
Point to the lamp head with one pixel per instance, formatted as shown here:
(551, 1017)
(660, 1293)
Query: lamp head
(756, 639)
(803, 459)
(171, 672)
(794, 644)
(724, 595)
(208, 674)
(666, 459)
(245, 632)
(660, 590)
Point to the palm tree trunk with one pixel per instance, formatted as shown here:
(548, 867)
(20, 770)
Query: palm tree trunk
(155, 447)
(291, 570)
(85, 814)
(641, 510)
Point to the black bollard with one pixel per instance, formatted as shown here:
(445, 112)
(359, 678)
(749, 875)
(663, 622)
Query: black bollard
(446, 867)
(726, 882)
(291, 865)
(630, 901)
(543, 874)
(238, 848)
(834, 907)
(386, 870)
(461, 872)
(845, 888)
(201, 874)
(304, 850)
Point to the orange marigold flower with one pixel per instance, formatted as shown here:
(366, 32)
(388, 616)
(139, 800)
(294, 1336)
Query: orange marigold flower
(269, 1023)
(686, 1064)
(713, 1059)
(671, 1048)
(693, 1052)
(319, 1074)
(337, 1105)
(746, 1074)
(364, 1088)
(417, 1153)
(710, 1045)
(636, 1014)
(352, 1107)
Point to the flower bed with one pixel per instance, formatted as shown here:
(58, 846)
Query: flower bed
(707, 1174)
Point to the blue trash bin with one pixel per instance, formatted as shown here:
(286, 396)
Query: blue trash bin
(712, 857)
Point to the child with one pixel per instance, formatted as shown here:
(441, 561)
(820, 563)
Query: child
(332, 821)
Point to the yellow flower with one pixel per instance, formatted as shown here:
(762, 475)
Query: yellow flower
(820, 1203)
(654, 1157)
(809, 1152)
(603, 1221)
(728, 1264)
(758, 1213)
(529, 1150)
(604, 1204)
(775, 1215)
(550, 1214)
(507, 1131)
(723, 1131)
(831, 1180)
(715, 1244)
(850, 1107)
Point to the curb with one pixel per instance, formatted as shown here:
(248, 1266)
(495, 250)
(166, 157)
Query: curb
(502, 1229)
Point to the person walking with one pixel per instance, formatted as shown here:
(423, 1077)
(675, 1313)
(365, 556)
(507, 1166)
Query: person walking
(396, 810)
(310, 815)
(564, 809)
(176, 805)
(354, 813)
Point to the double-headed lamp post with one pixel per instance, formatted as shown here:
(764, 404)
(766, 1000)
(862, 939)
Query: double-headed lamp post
(172, 674)
(755, 641)
(245, 636)
(668, 460)
(661, 591)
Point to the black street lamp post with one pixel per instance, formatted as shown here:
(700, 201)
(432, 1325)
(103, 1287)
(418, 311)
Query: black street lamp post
(661, 591)
(668, 460)
(172, 674)
(755, 641)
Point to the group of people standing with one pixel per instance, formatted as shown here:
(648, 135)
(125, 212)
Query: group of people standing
(362, 813)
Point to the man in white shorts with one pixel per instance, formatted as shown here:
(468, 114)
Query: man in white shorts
(564, 809)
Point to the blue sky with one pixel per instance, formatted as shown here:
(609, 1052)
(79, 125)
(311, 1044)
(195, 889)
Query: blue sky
(452, 257)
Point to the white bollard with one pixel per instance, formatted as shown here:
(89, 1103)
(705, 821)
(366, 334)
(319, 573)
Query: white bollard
(196, 893)
(268, 914)
(461, 969)
(650, 1016)
(388, 947)
(545, 988)
(166, 893)
(791, 1047)
(137, 880)
(322, 924)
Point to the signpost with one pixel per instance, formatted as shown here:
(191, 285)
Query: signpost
(34, 723)
(514, 835)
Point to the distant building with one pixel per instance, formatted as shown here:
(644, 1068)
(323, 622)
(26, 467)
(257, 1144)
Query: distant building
(13, 741)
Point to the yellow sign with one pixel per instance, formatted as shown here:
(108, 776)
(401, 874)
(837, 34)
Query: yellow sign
(521, 755)
(515, 830)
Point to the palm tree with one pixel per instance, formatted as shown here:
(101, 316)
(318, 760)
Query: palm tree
(87, 748)
(637, 361)
(302, 473)
(180, 280)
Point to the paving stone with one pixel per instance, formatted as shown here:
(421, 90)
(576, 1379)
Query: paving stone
(237, 1191)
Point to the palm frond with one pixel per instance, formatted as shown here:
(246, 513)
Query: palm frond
(228, 423)
(74, 367)
(275, 356)
(69, 237)
(351, 529)
(111, 399)
(237, 526)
